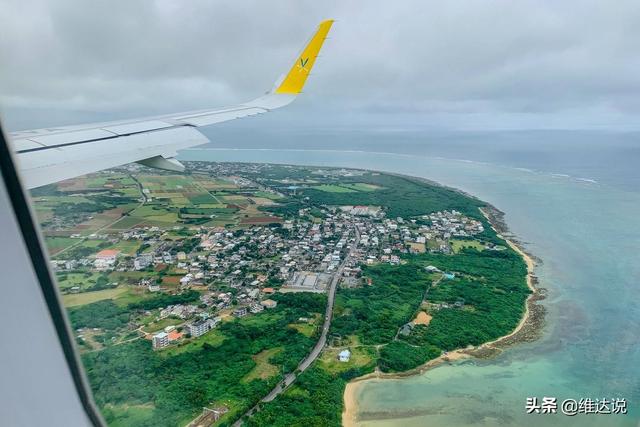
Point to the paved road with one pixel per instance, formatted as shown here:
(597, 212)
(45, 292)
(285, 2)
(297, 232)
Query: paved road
(317, 349)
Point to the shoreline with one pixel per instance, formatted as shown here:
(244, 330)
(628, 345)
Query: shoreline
(528, 329)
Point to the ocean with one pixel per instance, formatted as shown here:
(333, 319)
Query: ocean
(578, 213)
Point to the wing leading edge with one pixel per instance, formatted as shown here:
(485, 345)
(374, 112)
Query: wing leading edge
(49, 155)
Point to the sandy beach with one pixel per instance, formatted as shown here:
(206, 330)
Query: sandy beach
(349, 414)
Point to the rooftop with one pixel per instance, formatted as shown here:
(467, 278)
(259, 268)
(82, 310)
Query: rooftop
(107, 253)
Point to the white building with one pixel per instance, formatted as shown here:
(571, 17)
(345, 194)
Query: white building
(161, 339)
(201, 327)
(256, 308)
(143, 261)
(344, 356)
(269, 303)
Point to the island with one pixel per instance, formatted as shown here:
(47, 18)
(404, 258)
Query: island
(257, 294)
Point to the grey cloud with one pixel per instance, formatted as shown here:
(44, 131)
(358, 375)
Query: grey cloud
(428, 61)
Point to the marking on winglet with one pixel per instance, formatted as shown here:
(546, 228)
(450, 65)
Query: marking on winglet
(301, 65)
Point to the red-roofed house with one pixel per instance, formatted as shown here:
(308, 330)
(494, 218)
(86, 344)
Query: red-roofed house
(108, 254)
(106, 258)
(175, 335)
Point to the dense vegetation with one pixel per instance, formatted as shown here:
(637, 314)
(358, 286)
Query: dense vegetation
(401, 196)
(492, 286)
(374, 313)
(102, 314)
(400, 356)
(313, 402)
(171, 389)
(109, 316)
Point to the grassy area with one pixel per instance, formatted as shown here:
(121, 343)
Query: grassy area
(133, 295)
(306, 329)
(92, 243)
(197, 199)
(56, 244)
(362, 186)
(127, 247)
(458, 245)
(153, 326)
(69, 280)
(82, 298)
(130, 277)
(212, 338)
(330, 188)
(125, 415)
(127, 223)
(267, 195)
(363, 356)
(264, 369)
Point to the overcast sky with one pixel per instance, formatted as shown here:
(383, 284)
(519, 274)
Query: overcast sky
(417, 64)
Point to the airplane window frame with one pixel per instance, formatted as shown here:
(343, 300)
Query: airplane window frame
(23, 212)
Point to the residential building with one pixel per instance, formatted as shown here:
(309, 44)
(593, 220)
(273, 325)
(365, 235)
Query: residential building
(240, 312)
(143, 261)
(161, 339)
(201, 327)
(256, 308)
(269, 303)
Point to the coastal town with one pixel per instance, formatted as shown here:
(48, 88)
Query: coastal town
(173, 261)
(236, 270)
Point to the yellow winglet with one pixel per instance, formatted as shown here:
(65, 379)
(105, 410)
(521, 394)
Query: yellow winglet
(297, 76)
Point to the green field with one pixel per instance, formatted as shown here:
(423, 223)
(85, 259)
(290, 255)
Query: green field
(330, 188)
(126, 247)
(126, 415)
(213, 338)
(73, 300)
(361, 357)
(267, 195)
(127, 223)
(458, 245)
(153, 327)
(361, 186)
(55, 244)
(264, 369)
(202, 198)
(69, 280)
(306, 329)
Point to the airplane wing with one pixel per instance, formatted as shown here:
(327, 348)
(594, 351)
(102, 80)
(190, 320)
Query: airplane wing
(49, 155)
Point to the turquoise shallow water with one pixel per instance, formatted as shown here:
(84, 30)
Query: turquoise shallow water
(588, 237)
